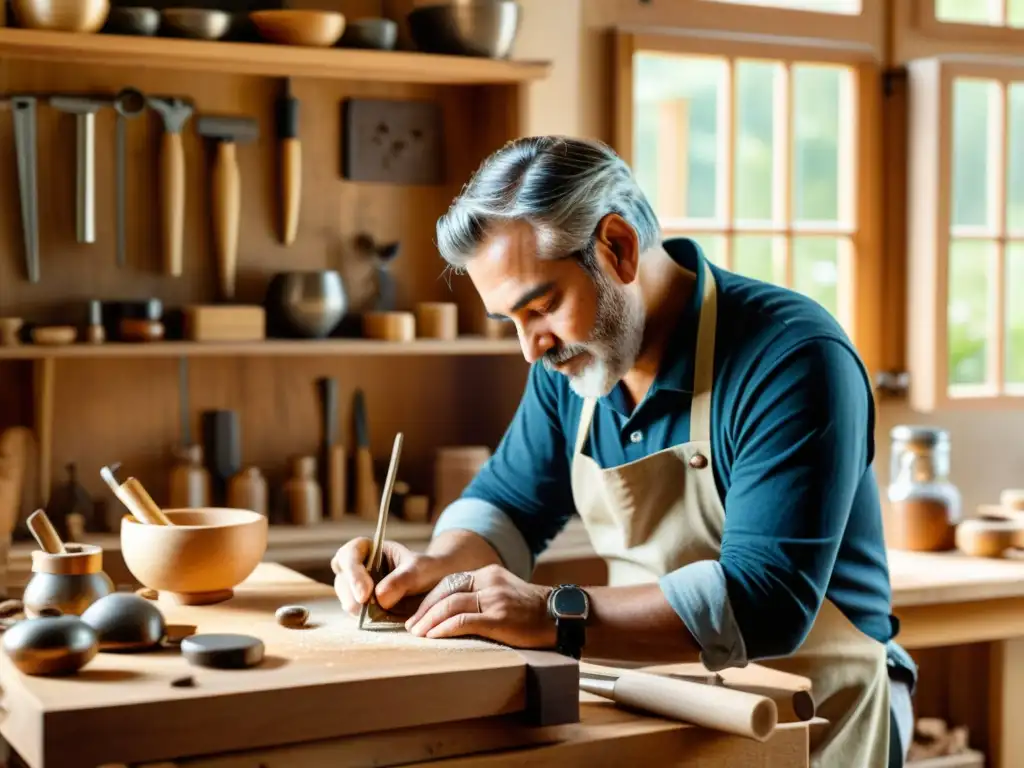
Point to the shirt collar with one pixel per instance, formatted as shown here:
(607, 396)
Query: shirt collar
(677, 365)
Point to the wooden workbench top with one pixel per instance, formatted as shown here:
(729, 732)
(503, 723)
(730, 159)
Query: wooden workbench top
(929, 578)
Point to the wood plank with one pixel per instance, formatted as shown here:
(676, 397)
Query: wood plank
(331, 679)
(929, 578)
(263, 59)
(467, 345)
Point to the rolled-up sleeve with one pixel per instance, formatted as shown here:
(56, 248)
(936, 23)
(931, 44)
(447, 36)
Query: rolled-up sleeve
(801, 436)
(522, 497)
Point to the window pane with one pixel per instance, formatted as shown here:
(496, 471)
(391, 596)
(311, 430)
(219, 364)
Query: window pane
(713, 247)
(756, 82)
(968, 311)
(972, 137)
(816, 269)
(1015, 313)
(676, 131)
(1015, 13)
(752, 257)
(818, 93)
(1015, 162)
(969, 11)
(825, 6)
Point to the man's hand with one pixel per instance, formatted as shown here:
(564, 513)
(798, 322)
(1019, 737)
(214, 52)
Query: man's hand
(490, 602)
(410, 574)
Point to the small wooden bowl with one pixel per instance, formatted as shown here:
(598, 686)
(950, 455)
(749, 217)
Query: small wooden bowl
(54, 335)
(200, 558)
(319, 29)
(61, 15)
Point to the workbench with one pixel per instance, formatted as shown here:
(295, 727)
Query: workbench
(329, 694)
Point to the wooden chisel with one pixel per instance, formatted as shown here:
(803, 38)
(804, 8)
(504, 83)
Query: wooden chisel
(291, 162)
(376, 564)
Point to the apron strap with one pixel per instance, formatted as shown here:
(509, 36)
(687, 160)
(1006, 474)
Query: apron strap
(586, 416)
(704, 361)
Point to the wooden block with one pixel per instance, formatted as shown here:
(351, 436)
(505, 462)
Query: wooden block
(549, 675)
(225, 323)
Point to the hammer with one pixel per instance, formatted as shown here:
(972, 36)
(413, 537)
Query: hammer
(84, 109)
(175, 113)
(226, 189)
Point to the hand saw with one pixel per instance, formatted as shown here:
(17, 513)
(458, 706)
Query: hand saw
(375, 564)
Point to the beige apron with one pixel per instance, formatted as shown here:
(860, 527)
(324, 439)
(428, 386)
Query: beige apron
(654, 515)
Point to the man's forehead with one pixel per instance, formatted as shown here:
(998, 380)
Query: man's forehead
(511, 248)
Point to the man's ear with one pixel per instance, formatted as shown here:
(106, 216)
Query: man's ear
(619, 247)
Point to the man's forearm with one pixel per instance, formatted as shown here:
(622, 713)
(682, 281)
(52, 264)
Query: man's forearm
(463, 550)
(637, 623)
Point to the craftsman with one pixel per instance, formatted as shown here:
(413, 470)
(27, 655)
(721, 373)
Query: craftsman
(714, 433)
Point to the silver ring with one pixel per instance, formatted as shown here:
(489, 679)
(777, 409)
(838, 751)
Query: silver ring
(459, 582)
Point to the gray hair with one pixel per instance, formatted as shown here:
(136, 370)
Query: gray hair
(561, 186)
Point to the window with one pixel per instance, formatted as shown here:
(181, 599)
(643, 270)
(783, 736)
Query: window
(967, 249)
(996, 13)
(755, 158)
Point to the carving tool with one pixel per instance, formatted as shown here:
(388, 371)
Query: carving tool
(709, 706)
(23, 109)
(793, 705)
(376, 565)
(291, 162)
(134, 497)
(366, 486)
(84, 108)
(226, 191)
(44, 533)
(175, 113)
(129, 103)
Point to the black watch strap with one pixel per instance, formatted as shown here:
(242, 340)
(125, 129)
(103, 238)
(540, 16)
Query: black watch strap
(572, 636)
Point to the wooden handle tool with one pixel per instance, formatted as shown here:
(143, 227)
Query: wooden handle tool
(172, 171)
(226, 192)
(375, 564)
(44, 533)
(709, 706)
(291, 163)
(135, 498)
(45, 381)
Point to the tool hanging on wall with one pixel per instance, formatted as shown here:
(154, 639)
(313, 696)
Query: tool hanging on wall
(175, 113)
(226, 190)
(84, 108)
(291, 163)
(23, 109)
(129, 103)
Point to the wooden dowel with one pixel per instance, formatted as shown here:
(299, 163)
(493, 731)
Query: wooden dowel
(44, 533)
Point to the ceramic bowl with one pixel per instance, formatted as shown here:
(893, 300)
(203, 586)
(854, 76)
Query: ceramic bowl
(374, 34)
(485, 28)
(197, 23)
(201, 558)
(133, 20)
(318, 29)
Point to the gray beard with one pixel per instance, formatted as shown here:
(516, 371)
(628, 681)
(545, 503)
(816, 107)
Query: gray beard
(613, 346)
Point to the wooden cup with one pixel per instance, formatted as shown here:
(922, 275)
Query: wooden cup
(437, 320)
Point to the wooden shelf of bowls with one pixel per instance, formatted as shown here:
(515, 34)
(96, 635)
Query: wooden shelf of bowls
(221, 274)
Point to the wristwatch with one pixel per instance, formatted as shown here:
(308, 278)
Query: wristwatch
(569, 606)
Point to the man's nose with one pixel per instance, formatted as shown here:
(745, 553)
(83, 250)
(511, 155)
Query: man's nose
(535, 342)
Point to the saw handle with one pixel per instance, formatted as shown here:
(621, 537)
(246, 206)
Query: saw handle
(227, 209)
(172, 161)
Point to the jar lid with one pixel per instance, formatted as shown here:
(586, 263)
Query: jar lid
(919, 435)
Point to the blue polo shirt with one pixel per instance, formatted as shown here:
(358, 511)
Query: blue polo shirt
(792, 441)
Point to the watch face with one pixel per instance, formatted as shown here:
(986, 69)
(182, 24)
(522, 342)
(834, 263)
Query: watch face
(569, 603)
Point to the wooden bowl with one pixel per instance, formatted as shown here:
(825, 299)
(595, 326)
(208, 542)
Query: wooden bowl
(320, 29)
(201, 558)
(61, 15)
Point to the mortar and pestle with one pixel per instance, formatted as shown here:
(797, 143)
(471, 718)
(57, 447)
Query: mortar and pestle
(66, 577)
(195, 556)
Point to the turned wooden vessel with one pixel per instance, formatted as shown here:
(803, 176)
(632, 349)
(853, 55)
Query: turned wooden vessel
(69, 582)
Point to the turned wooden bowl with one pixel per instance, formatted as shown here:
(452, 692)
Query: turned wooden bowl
(61, 15)
(320, 29)
(200, 558)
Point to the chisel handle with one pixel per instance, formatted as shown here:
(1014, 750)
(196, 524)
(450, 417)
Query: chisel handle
(227, 208)
(172, 171)
(291, 188)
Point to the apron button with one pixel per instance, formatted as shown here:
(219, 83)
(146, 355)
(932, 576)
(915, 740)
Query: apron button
(698, 461)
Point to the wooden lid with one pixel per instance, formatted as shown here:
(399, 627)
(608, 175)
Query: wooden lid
(80, 560)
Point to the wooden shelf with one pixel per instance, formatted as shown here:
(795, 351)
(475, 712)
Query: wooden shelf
(264, 59)
(469, 345)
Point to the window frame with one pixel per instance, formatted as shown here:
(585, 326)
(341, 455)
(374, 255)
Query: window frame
(864, 271)
(919, 34)
(929, 233)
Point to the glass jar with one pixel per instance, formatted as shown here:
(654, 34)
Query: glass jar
(925, 507)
